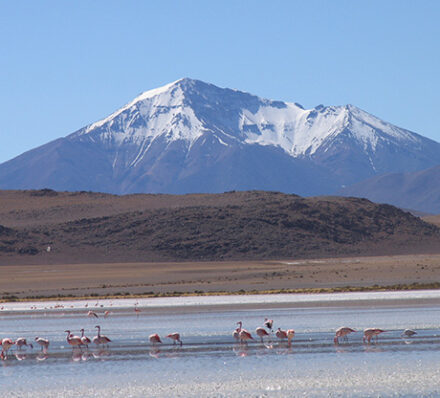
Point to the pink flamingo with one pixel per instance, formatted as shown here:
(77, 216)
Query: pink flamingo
(236, 332)
(74, 341)
(370, 333)
(84, 339)
(244, 335)
(268, 323)
(408, 333)
(290, 335)
(21, 342)
(261, 332)
(44, 343)
(100, 340)
(175, 337)
(342, 332)
(281, 334)
(6, 344)
(154, 339)
(92, 313)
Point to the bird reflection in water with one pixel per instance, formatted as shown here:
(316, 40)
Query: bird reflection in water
(241, 349)
(20, 356)
(101, 354)
(154, 353)
(41, 356)
(76, 355)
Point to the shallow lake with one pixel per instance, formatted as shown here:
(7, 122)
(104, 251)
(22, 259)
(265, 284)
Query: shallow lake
(211, 364)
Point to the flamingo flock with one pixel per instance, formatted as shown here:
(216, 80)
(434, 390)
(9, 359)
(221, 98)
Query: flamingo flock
(240, 334)
(243, 336)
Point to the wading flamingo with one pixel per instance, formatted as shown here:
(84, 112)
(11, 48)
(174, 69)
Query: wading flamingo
(281, 334)
(6, 344)
(342, 332)
(74, 341)
(84, 339)
(92, 313)
(268, 323)
(244, 336)
(290, 335)
(261, 332)
(408, 333)
(21, 341)
(100, 340)
(175, 337)
(154, 339)
(44, 343)
(370, 333)
(236, 332)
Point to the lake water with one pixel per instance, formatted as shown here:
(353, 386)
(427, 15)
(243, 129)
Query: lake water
(211, 364)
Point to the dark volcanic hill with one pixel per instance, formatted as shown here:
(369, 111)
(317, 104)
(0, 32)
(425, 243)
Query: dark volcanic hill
(88, 227)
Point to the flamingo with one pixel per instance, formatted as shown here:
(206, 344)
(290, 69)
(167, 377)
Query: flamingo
(44, 343)
(290, 335)
(371, 332)
(268, 323)
(175, 337)
(21, 341)
(261, 332)
(342, 332)
(408, 333)
(154, 339)
(98, 339)
(281, 334)
(106, 314)
(84, 339)
(92, 313)
(244, 335)
(74, 341)
(236, 332)
(6, 344)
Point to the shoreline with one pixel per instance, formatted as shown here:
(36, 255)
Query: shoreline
(191, 304)
(330, 290)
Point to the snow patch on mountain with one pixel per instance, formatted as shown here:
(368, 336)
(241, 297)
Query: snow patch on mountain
(144, 96)
(187, 109)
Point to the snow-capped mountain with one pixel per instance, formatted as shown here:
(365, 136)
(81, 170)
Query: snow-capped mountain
(190, 136)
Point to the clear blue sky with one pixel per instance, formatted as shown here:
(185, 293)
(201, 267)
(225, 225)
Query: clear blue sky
(65, 64)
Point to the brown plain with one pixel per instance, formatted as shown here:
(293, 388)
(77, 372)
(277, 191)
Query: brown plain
(388, 247)
(230, 276)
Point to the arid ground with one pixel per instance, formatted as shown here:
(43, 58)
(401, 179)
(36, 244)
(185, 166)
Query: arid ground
(82, 243)
(231, 276)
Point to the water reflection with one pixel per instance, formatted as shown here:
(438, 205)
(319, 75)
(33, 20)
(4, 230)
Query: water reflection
(154, 353)
(311, 361)
(41, 356)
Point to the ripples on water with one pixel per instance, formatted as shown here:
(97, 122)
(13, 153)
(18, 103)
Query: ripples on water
(211, 364)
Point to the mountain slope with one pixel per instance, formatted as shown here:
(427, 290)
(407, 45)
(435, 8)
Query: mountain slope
(190, 136)
(418, 190)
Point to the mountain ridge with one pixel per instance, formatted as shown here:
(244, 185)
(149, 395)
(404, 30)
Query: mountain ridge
(184, 137)
(419, 190)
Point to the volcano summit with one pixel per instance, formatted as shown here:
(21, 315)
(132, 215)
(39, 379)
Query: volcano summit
(190, 136)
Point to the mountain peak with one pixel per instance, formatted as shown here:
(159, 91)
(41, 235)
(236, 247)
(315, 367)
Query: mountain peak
(171, 138)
